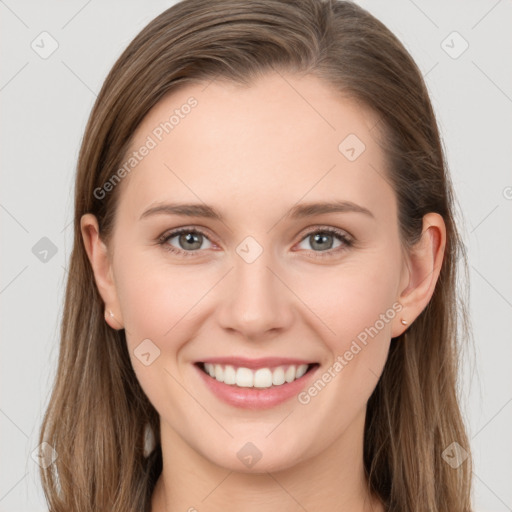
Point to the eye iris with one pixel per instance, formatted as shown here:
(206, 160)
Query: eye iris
(321, 238)
(190, 238)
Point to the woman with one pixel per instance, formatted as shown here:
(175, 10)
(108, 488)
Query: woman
(261, 310)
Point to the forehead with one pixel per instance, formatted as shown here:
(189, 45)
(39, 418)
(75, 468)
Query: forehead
(279, 139)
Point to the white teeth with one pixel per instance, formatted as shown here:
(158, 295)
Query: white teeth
(244, 378)
(219, 373)
(301, 370)
(261, 378)
(229, 375)
(210, 369)
(278, 376)
(289, 374)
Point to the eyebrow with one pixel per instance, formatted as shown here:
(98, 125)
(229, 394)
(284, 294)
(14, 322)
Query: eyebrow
(297, 212)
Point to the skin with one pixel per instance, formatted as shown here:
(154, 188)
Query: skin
(253, 152)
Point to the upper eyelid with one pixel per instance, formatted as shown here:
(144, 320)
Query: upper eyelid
(171, 233)
(329, 229)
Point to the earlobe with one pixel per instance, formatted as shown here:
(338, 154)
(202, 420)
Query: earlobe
(98, 255)
(422, 268)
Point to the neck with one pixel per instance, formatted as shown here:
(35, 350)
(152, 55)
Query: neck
(332, 480)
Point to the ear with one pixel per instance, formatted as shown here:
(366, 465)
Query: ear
(101, 264)
(421, 270)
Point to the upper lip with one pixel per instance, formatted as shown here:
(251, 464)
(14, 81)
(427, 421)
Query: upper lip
(263, 362)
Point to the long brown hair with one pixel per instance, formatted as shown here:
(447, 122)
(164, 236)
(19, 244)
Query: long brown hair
(98, 414)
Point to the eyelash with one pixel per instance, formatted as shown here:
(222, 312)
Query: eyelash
(347, 242)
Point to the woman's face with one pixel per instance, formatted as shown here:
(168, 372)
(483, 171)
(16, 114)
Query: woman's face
(265, 275)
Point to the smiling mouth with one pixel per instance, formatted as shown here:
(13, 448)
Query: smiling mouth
(260, 378)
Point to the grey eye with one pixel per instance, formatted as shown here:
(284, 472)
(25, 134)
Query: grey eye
(321, 241)
(188, 240)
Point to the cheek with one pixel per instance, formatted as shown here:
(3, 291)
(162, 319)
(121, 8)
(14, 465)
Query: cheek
(355, 306)
(154, 296)
(350, 298)
(163, 303)
(159, 304)
(360, 307)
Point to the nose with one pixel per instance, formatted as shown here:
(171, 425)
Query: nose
(257, 302)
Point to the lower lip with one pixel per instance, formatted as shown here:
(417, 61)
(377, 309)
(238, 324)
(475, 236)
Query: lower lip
(256, 398)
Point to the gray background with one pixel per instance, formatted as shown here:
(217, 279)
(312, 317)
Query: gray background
(46, 102)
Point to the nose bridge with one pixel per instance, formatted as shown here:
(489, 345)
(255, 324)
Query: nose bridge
(257, 301)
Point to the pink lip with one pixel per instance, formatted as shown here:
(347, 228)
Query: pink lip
(255, 398)
(253, 364)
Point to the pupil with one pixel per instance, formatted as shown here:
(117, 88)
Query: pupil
(191, 238)
(320, 239)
